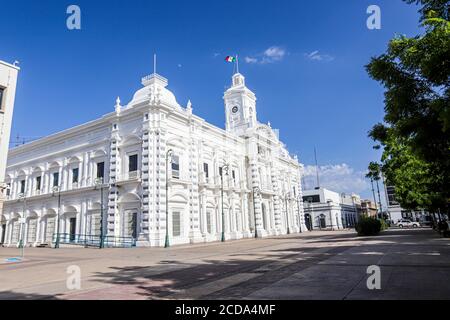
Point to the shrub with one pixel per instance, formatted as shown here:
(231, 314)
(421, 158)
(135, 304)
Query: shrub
(384, 225)
(367, 226)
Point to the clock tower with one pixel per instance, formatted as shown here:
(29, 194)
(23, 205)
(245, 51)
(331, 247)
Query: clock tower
(240, 106)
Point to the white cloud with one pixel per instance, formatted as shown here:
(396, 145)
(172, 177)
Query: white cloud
(250, 60)
(317, 56)
(274, 54)
(340, 178)
(270, 55)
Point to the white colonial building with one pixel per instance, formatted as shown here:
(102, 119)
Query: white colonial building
(108, 177)
(329, 210)
(8, 82)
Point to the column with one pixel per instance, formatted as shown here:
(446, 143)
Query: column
(38, 230)
(203, 219)
(144, 236)
(195, 233)
(276, 201)
(255, 183)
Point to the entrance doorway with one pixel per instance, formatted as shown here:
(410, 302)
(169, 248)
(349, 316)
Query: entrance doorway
(2, 241)
(72, 229)
(308, 221)
(131, 224)
(322, 222)
(134, 225)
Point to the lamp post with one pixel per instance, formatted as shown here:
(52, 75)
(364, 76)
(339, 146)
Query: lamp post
(256, 193)
(57, 189)
(22, 222)
(311, 207)
(299, 215)
(99, 185)
(169, 154)
(286, 198)
(224, 170)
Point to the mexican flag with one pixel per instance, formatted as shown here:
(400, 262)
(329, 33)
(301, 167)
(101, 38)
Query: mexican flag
(230, 59)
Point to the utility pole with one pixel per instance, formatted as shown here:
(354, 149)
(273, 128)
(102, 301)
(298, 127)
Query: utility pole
(317, 168)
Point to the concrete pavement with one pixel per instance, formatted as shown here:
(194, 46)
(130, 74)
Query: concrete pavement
(415, 264)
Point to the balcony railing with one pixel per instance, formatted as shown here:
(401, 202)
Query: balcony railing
(129, 176)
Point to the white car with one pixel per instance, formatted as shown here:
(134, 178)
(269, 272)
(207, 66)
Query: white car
(407, 224)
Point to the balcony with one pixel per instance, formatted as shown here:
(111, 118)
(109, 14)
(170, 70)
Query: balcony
(132, 176)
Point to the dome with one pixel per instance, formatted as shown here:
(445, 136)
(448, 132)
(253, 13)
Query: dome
(154, 87)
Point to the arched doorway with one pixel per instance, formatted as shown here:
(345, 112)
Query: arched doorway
(322, 221)
(129, 206)
(49, 229)
(2, 229)
(15, 228)
(32, 228)
(69, 221)
(308, 221)
(264, 217)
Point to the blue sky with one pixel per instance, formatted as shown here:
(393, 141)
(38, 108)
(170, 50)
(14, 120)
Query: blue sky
(303, 59)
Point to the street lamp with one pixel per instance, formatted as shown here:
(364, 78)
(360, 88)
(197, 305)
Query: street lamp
(286, 198)
(224, 170)
(22, 222)
(99, 184)
(256, 193)
(311, 207)
(57, 189)
(169, 154)
(298, 214)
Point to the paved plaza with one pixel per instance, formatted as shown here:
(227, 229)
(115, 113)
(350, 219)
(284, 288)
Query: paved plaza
(415, 264)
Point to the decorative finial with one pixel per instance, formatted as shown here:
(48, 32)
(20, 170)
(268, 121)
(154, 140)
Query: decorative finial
(268, 123)
(16, 63)
(189, 106)
(118, 106)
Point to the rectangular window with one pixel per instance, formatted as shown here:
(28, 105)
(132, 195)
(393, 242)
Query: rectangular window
(206, 170)
(233, 174)
(176, 224)
(313, 198)
(56, 179)
(22, 186)
(220, 171)
(38, 183)
(100, 170)
(8, 189)
(175, 167)
(2, 93)
(75, 172)
(133, 163)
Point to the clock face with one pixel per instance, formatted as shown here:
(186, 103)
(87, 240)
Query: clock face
(235, 110)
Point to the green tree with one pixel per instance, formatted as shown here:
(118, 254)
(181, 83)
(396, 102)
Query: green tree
(415, 135)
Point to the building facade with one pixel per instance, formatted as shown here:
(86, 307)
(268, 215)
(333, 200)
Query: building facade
(8, 82)
(369, 208)
(328, 210)
(152, 171)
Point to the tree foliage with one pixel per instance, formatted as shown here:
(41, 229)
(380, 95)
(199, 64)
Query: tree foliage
(416, 130)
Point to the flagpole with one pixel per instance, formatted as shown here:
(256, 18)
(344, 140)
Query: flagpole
(237, 63)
